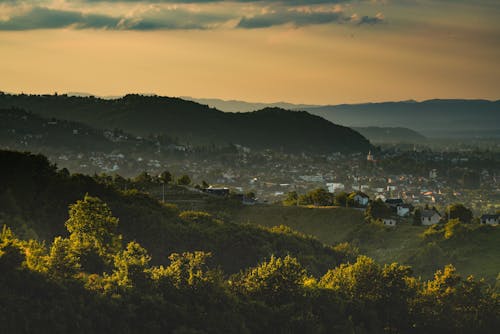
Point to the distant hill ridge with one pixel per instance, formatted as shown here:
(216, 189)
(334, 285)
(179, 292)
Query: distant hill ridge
(193, 123)
(432, 118)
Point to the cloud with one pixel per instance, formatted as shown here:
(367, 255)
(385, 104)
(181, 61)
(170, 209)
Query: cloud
(304, 16)
(371, 19)
(45, 18)
(288, 2)
(156, 19)
(293, 17)
(54, 14)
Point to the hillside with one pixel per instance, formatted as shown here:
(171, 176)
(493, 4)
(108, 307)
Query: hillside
(432, 118)
(479, 255)
(20, 128)
(35, 197)
(196, 124)
(77, 255)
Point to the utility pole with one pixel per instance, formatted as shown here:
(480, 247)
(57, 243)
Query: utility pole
(163, 192)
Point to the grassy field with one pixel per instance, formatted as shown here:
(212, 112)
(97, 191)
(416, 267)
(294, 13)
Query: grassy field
(478, 255)
(330, 225)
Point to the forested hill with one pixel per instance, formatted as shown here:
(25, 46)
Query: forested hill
(22, 129)
(432, 118)
(196, 124)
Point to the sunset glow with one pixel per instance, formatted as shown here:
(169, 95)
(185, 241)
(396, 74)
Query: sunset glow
(298, 51)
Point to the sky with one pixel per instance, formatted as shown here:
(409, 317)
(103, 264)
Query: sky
(298, 51)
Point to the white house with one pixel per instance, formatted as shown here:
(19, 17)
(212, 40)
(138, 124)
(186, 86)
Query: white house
(361, 199)
(334, 187)
(430, 217)
(490, 219)
(391, 188)
(403, 210)
(389, 222)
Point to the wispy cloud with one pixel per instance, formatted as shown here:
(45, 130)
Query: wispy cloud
(297, 17)
(172, 14)
(45, 18)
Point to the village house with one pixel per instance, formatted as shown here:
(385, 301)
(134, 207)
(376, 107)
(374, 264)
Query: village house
(430, 217)
(394, 202)
(389, 222)
(403, 210)
(334, 187)
(490, 219)
(361, 199)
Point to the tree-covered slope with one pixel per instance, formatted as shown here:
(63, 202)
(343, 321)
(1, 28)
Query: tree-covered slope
(123, 262)
(19, 128)
(193, 123)
(35, 197)
(473, 252)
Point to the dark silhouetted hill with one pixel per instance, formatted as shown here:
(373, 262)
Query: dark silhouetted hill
(196, 124)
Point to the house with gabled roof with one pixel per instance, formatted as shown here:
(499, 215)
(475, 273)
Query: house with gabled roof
(490, 219)
(430, 217)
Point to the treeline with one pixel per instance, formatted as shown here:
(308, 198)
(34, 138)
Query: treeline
(93, 281)
(34, 200)
(321, 197)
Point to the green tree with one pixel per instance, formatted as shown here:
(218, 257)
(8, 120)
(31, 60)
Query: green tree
(62, 262)
(11, 250)
(449, 304)
(377, 209)
(184, 180)
(165, 177)
(276, 281)
(460, 212)
(341, 199)
(417, 217)
(358, 281)
(92, 228)
(291, 199)
(131, 265)
(190, 270)
(143, 180)
(321, 197)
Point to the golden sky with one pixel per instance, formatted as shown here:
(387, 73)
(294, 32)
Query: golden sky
(317, 52)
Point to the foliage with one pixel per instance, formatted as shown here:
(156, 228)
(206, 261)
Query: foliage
(317, 197)
(276, 281)
(378, 209)
(184, 180)
(189, 295)
(176, 275)
(460, 212)
(291, 199)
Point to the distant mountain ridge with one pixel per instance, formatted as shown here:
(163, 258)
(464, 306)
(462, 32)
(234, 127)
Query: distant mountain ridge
(196, 124)
(432, 118)
(243, 106)
(445, 118)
